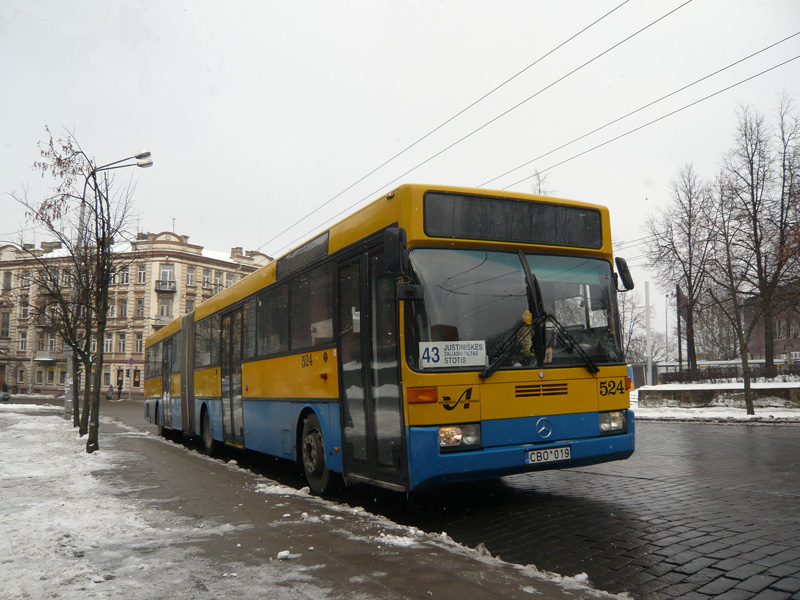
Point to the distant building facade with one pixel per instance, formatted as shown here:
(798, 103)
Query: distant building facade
(785, 337)
(162, 277)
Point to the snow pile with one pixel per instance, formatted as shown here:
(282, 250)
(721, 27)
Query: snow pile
(67, 535)
(721, 411)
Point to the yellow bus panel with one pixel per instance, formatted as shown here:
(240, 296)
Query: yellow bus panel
(308, 375)
(152, 387)
(207, 383)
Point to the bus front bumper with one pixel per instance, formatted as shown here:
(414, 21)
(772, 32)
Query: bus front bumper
(430, 466)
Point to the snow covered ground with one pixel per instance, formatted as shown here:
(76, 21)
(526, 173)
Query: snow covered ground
(61, 536)
(64, 535)
(722, 412)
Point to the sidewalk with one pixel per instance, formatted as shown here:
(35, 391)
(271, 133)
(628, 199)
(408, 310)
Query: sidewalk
(146, 518)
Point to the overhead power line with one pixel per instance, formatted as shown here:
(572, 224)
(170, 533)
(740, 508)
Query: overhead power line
(661, 118)
(487, 123)
(641, 108)
(455, 116)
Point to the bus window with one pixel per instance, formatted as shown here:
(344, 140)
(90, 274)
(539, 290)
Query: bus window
(312, 308)
(273, 321)
(202, 356)
(176, 353)
(216, 332)
(249, 316)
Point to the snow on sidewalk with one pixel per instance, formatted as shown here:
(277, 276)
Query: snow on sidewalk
(64, 534)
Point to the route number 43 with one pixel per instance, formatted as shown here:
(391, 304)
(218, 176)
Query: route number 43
(612, 387)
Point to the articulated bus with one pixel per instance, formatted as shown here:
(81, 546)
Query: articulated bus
(437, 335)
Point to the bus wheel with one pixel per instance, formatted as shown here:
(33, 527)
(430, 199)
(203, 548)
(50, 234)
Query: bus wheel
(320, 478)
(210, 445)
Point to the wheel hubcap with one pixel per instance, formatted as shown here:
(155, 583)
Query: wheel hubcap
(312, 451)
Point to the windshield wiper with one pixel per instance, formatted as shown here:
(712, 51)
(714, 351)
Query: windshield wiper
(533, 324)
(572, 344)
(506, 347)
(536, 306)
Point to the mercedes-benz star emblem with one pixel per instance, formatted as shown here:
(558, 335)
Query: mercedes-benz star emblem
(544, 428)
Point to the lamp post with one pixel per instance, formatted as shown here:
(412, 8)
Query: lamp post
(143, 160)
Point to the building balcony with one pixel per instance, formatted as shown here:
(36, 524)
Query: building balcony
(165, 285)
(161, 321)
(46, 355)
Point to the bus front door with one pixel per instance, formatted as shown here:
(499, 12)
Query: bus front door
(369, 372)
(231, 378)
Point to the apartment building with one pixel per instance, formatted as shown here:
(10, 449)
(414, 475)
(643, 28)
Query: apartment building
(162, 276)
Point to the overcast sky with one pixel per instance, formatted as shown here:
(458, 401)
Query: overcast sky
(259, 113)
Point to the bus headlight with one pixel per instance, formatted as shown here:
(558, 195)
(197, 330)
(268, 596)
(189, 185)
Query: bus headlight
(460, 437)
(612, 421)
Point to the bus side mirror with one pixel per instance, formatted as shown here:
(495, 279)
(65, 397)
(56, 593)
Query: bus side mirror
(624, 272)
(394, 249)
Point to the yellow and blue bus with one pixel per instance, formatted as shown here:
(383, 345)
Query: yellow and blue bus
(439, 334)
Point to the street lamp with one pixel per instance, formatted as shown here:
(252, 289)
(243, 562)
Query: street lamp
(143, 160)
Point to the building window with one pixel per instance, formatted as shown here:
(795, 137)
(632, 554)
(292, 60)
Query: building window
(26, 279)
(108, 343)
(23, 307)
(141, 275)
(51, 342)
(51, 376)
(189, 306)
(123, 309)
(217, 282)
(167, 272)
(39, 376)
(66, 277)
(206, 278)
(123, 276)
(137, 378)
(228, 279)
(140, 307)
(21, 376)
(40, 341)
(7, 280)
(62, 377)
(139, 343)
(5, 324)
(121, 338)
(94, 344)
(23, 341)
(190, 276)
(106, 378)
(165, 307)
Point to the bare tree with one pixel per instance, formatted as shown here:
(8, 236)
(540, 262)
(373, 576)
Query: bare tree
(732, 261)
(715, 339)
(681, 235)
(761, 172)
(631, 318)
(540, 185)
(79, 311)
(637, 347)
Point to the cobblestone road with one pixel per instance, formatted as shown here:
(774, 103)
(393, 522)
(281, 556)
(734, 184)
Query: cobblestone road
(701, 511)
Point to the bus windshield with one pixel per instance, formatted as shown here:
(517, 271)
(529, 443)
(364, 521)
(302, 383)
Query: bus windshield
(478, 297)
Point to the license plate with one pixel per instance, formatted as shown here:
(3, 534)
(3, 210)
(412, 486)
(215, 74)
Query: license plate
(535, 457)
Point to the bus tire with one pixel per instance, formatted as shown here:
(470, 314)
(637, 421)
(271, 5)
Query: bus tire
(320, 479)
(210, 445)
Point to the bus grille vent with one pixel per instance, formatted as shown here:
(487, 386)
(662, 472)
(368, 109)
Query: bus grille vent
(541, 389)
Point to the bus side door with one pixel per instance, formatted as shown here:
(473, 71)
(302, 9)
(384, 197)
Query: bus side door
(371, 403)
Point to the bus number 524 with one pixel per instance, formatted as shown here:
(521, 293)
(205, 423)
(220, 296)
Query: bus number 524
(611, 387)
